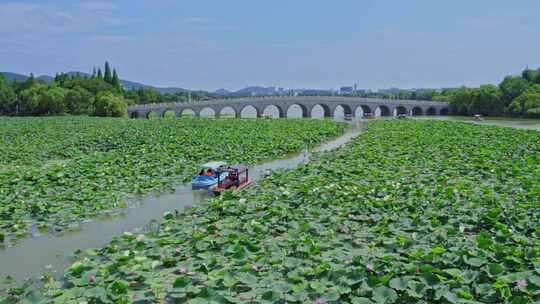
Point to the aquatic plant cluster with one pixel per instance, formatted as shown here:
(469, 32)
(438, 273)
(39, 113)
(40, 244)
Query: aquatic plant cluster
(410, 212)
(56, 172)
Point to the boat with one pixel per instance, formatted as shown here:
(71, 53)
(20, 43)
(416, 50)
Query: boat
(206, 182)
(477, 117)
(237, 178)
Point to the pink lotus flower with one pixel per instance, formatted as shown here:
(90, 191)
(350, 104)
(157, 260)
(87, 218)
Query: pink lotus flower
(183, 270)
(319, 301)
(370, 267)
(522, 282)
(255, 268)
(189, 206)
(178, 251)
(91, 278)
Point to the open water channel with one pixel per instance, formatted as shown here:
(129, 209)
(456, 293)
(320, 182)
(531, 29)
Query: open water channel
(52, 253)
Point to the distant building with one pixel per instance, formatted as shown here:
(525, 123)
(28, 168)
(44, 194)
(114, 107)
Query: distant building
(346, 90)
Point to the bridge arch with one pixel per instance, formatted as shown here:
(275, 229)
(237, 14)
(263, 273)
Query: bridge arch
(443, 112)
(273, 111)
(249, 111)
(321, 110)
(382, 110)
(227, 112)
(207, 112)
(401, 110)
(431, 111)
(153, 115)
(417, 111)
(187, 112)
(342, 110)
(298, 106)
(362, 110)
(168, 113)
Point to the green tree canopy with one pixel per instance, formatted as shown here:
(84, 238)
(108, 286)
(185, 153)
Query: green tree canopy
(511, 87)
(528, 102)
(107, 104)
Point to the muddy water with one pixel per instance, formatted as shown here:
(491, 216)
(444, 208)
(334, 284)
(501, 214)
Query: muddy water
(50, 253)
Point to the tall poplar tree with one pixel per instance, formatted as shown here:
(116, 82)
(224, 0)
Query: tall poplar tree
(108, 74)
(115, 80)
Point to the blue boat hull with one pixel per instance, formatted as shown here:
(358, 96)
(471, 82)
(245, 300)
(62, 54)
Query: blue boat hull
(205, 182)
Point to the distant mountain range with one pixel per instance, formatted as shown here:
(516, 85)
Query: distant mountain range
(130, 85)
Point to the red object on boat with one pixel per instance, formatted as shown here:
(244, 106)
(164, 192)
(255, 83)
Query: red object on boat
(238, 178)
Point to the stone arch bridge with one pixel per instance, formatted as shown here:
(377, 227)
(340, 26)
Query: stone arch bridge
(353, 106)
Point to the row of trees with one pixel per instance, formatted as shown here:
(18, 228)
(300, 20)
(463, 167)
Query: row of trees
(148, 95)
(515, 95)
(98, 95)
(421, 94)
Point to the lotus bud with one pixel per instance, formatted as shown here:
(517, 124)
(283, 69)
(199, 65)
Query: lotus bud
(319, 301)
(91, 278)
(370, 267)
(522, 282)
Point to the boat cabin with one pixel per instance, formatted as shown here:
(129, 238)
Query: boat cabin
(237, 178)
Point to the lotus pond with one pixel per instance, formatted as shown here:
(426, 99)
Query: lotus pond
(410, 212)
(57, 172)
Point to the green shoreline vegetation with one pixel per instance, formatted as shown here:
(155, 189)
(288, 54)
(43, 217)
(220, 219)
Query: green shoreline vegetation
(58, 171)
(98, 94)
(409, 212)
(102, 94)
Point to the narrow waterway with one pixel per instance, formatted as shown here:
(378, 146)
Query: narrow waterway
(51, 253)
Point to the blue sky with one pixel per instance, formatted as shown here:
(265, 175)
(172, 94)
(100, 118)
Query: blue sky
(302, 43)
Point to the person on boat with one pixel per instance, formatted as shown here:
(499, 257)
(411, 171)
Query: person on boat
(209, 172)
(202, 173)
(230, 180)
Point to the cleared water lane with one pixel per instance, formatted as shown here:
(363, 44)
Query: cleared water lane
(51, 253)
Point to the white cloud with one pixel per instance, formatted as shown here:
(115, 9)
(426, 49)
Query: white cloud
(197, 23)
(24, 20)
(197, 20)
(98, 6)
